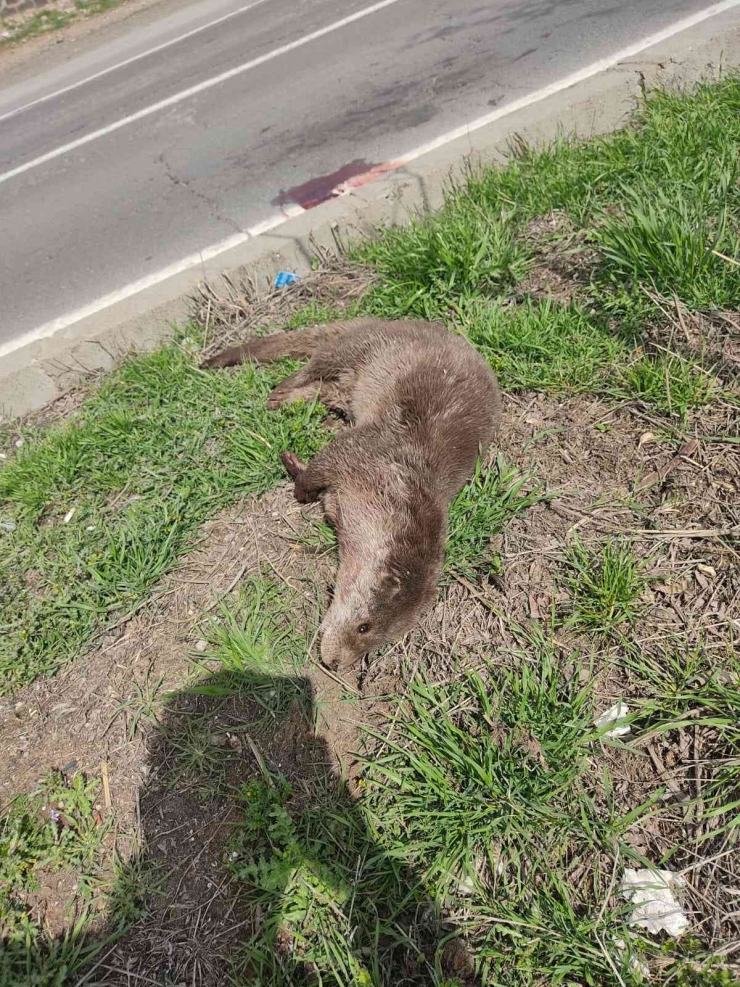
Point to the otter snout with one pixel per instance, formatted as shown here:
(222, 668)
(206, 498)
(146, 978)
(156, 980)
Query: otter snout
(336, 650)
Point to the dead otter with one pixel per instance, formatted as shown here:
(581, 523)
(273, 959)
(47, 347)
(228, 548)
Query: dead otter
(423, 404)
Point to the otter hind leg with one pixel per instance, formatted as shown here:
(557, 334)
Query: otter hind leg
(300, 386)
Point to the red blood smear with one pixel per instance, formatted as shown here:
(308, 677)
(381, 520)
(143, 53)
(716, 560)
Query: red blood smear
(317, 190)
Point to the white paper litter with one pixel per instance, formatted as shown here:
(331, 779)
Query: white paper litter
(655, 907)
(466, 886)
(615, 713)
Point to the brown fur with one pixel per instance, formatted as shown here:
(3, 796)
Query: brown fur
(423, 404)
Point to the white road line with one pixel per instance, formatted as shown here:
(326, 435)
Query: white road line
(193, 260)
(194, 90)
(130, 61)
(209, 253)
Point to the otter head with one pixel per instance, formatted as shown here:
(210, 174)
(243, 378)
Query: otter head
(379, 598)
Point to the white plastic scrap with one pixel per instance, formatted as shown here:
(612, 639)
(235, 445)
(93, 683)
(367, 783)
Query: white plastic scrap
(614, 714)
(655, 907)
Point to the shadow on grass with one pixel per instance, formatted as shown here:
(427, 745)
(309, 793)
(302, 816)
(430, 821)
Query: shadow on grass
(256, 862)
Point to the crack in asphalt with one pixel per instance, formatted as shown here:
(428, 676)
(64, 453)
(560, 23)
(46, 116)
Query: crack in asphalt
(187, 184)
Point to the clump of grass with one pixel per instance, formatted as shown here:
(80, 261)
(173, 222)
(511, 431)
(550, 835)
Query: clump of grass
(307, 895)
(678, 141)
(668, 381)
(53, 827)
(547, 346)
(605, 586)
(483, 787)
(485, 758)
(143, 706)
(544, 345)
(100, 509)
(672, 241)
(255, 642)
(681, 687)
(427, 267)
(199, 758)
(321, 537)
(483, 509)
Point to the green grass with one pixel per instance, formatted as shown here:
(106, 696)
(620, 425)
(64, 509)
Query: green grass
(482, 510)
(546, 346)
(684, 688)
(672, 243)
(142, 707)
(255, 634)
(657, 202)
(463, 251)
(605, 586)
(678, 142)
(667, 382)
(140, 485)
(53, 828)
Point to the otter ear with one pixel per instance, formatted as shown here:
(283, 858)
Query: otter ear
(392, 582)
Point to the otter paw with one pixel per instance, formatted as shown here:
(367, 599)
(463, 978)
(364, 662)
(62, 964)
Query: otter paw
(226, 358)
(304, 493)
(276, 400)
(293, 464)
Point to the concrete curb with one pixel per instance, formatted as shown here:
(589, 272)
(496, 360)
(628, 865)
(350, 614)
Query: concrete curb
(42, 371)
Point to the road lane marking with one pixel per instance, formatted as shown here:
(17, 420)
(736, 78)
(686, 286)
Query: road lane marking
(216, 80)
(130, 61)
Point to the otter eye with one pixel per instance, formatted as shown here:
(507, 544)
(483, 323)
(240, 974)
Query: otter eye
(363, 628)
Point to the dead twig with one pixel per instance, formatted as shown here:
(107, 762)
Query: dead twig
(106, 784)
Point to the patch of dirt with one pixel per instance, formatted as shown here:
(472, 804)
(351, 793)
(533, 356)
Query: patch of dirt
(711, 337)
(51, 906)
(79, 719)
(615, 478)
(562, 264)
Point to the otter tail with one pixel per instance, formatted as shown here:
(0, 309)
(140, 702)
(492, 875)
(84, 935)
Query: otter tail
(297, 345)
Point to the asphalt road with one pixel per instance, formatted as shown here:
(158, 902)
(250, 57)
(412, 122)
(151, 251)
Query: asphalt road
(79, 224)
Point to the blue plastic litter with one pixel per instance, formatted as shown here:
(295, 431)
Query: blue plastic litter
(285, 278)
